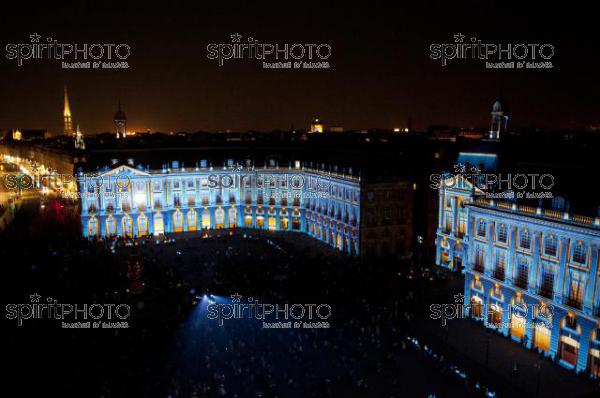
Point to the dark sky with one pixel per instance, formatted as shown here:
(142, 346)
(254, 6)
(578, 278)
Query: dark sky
(381, 73)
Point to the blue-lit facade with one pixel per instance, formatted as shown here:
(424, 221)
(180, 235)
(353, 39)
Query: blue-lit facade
(451, 239)
(530, 273)
(133, 201)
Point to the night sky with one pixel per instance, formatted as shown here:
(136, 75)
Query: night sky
(381, 73)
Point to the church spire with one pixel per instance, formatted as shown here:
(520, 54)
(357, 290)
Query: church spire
(68, 123)
(79, 142)
(120, 122)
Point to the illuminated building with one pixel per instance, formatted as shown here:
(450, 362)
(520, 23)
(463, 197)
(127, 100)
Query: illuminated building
(120, 122)
(135, 201)
(79, 142)
(453, 214)
(316, 126)
(27, 134)
(499, 122)
(68, 122)
(530, 273)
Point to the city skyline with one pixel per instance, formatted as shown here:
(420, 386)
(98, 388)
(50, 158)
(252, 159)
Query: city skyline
(171, 84)
(323, 200)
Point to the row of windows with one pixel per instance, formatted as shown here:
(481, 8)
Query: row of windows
(575, 284)
(579, 249)
(336, 191)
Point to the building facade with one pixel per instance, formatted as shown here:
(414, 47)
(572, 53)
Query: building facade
(132, 201)
(453, 215)
(532, 274)
(386, 228)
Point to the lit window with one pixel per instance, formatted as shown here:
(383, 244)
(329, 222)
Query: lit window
(502, 233)
(525, 239)
(550, 245)
(579, 253)
(481, 226)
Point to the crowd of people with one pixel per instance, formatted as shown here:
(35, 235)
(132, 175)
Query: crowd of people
(172, 349)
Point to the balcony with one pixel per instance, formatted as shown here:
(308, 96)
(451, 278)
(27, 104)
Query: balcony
(547, 291)
(479, 267)
(499, 273)
(573, 303)
(521, 281)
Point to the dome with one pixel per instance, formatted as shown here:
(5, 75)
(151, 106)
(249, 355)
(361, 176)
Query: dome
(497, 107)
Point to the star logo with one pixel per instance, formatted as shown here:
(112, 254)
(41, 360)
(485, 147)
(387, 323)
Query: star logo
(236, 298)
(35, 38)
(35, 298)
(459, 298)
(459, 37)
(236, 38)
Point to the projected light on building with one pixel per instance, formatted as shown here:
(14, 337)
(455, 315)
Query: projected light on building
(133, 201)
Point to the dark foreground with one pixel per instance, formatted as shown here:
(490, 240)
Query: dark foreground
(378, 342)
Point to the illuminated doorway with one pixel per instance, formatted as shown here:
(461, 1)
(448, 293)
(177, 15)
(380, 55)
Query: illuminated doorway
(541, 337)
(219, 218)
(272, 223)
(177, 221)
(142, 224)
(260, 221)
(283, 224)
(111, 226)
(192, 220)
(205, 220)
(232, 215)
(127, 226)
(93, 227)
(495, 316)
(476, 307)
(568, 350)
(159, 224)
(517, 325)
